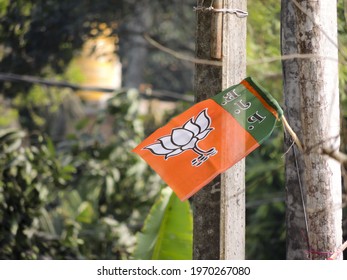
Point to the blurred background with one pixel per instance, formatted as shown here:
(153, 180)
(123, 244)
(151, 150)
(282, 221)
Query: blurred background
(82, 83)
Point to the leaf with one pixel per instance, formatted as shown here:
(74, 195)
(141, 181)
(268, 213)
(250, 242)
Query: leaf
(50, 147)
(167, 233)
(71, 201)
(115, 174)
(85, 213)
(110, 186)
(10, 133)
(69, 169)
(10, 139)
(146, 239)
(46, 222)
(82, 124)
(13, 146)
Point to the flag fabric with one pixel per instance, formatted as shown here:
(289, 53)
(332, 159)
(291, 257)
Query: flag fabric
(211, 136)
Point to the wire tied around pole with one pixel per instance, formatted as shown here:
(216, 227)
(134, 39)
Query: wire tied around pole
(239, 13)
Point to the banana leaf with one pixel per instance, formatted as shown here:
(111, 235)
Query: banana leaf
(167, 232)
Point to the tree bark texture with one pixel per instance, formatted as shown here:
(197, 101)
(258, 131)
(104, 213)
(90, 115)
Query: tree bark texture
(219, 218)
(206, 203)
(313, 180)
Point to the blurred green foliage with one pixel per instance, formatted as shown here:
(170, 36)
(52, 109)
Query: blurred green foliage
(83, 197)
(77, 194)
(263, 43)
(265, 207)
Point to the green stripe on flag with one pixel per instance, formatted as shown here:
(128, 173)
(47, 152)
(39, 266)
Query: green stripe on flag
(266, 96)
(248, 110)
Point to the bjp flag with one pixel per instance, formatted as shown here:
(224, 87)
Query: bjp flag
(211, 136)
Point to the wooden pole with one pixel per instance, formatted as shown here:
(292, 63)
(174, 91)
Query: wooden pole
(233, 210)
(219, 208)
(206, 203)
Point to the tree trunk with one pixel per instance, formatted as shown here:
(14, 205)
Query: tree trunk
(313, 180)
(219, 207)
(136, 54)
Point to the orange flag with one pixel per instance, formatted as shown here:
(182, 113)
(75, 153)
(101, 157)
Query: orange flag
(210, 137)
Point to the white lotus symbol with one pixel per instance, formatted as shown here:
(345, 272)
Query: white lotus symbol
(186, 138)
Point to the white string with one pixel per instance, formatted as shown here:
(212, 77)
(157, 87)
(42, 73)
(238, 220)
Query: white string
(290, 147)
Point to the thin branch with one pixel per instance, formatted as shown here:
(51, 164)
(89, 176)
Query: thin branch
(191, 59)
(289, 57)
(337, 155)
(338, 251)
(179, 55)
(9, 77)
